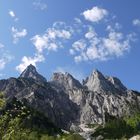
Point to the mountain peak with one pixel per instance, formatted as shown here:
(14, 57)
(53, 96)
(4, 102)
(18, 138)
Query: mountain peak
(97, 74)
(31, 67)
(66, 80)
(31, 72)
(98, 82)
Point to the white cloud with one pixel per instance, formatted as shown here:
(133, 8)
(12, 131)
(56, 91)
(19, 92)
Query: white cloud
(93, 53)
(12, 14)
(97, 48)
(91, 33)
(91, 46)
(51, 40)
(29, 60)
(40, 42)
(136, 22)
(78, 46)
(95, 14)
(40, 5)
(117, 26)
(17, 34)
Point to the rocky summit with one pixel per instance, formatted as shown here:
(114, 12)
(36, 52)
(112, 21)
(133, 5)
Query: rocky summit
(70, 104)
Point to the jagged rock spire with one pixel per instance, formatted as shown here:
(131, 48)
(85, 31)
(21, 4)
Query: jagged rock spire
(31, 72)
(100, 83)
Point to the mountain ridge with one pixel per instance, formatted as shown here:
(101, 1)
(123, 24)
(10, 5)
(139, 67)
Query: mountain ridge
(68, 103)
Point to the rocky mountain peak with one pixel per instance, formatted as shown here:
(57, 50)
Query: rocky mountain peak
(96, 74)
(31, 72)
(99, 83)
(65, 80)
(95, 82)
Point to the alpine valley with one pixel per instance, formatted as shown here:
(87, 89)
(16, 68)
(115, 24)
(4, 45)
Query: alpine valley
(32, 108)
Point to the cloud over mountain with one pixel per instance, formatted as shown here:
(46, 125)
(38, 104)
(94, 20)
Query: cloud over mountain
(29, 60)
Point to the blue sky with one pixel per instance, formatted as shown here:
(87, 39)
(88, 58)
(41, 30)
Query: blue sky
(76, 36)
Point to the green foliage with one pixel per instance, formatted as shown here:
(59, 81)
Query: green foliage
(1, 95)
(134, 121)
(19, 122)
(2, 100)
(119, 128)
(115, 129)
(74, 137)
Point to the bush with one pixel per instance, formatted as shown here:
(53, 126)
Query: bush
(115, 129)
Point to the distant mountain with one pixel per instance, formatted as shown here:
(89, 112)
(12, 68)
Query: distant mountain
(69, 104)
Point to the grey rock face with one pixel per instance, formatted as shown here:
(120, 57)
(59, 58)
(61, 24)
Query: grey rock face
(55, 105)
(65, 81)
(30, 72)
(97, 82)
(68, 103)
(68, 84)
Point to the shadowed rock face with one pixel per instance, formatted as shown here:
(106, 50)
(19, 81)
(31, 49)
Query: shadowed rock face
(116, 83)
(67, 102)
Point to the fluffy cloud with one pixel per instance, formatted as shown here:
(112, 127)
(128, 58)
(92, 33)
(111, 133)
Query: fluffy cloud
(12, 14)
(96, 48)
(89, 45)
(17, 34)
(136, 22)
(40, 5)
(50, 40)
(78, 46)
(95, 14)
(29, 60)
